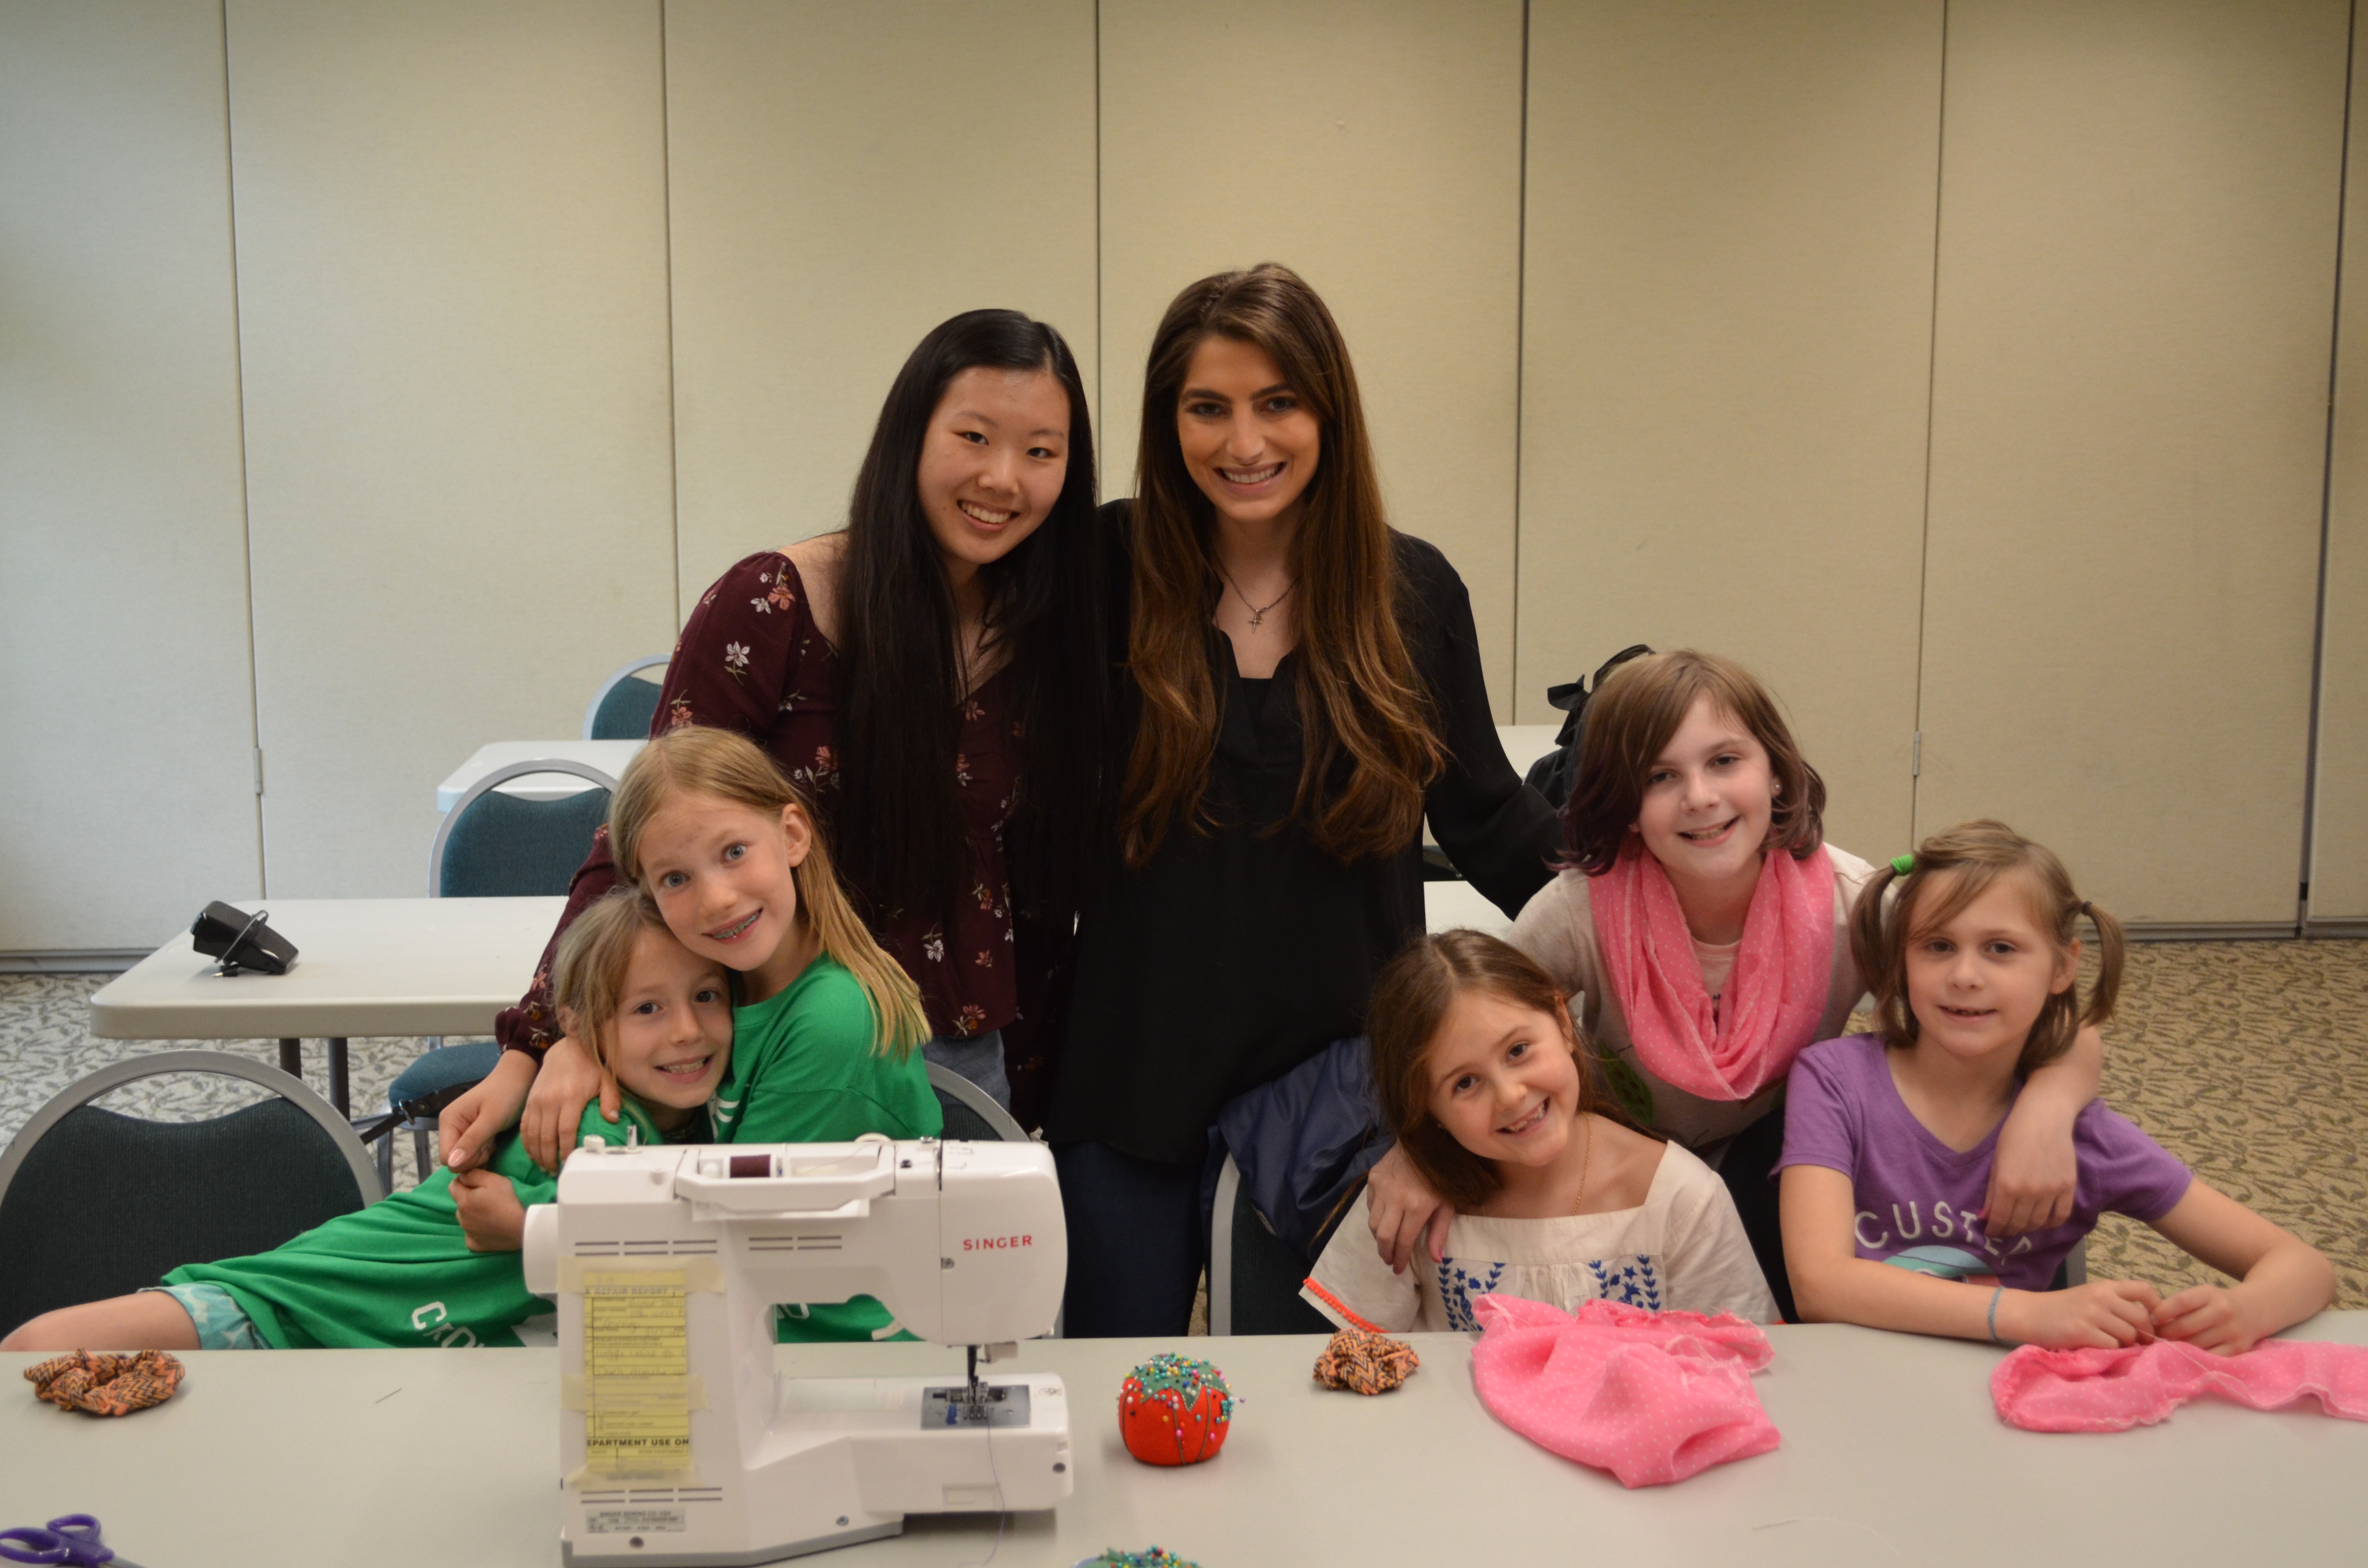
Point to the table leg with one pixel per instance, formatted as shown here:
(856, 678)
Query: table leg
(339, 1095)
(292, 1058)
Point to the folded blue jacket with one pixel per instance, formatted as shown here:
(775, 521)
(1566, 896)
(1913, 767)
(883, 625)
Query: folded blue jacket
(1302, 1143)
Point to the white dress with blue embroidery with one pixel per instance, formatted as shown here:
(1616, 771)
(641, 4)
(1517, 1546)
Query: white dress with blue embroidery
(1682, 1247)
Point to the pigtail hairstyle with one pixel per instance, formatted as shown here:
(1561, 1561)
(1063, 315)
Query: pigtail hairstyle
(1411, 999)
(1630, 719)
(1971, 857)
(588, 976)
(699, 760)
(898, 812)
(1361, 702)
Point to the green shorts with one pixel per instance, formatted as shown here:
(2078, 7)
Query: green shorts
(222, 1323)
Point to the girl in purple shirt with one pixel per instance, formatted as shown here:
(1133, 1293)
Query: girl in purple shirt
(1889, 1137)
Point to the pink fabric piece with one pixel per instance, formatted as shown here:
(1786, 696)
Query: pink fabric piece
(1652, 1397)
(1773, 1000)
(2137, 1385)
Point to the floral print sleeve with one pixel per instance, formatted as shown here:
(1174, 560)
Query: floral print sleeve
(746, 661)
(751, 659)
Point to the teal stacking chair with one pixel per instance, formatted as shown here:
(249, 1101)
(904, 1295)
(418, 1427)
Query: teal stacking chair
(622, 708)
(490, 846)
(95, 1203)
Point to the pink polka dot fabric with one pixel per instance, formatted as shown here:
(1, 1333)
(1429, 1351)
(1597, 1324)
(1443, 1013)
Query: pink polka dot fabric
(2137, 1385)
(1651, 1397)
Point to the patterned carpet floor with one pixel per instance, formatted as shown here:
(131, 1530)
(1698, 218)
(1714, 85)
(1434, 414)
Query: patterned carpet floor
(2248, 1060)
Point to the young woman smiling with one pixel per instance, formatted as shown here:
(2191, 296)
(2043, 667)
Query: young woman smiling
(933, 678)
(1304, 687)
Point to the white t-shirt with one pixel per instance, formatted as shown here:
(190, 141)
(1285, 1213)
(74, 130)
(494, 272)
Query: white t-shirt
(1557, 928)
(1683, 1247)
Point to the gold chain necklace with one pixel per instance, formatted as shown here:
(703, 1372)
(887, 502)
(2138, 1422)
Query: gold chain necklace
(1586, 1158)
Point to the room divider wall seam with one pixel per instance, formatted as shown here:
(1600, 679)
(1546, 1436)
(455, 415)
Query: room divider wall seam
(1931, 358)
(246, 522)
(2326, 493)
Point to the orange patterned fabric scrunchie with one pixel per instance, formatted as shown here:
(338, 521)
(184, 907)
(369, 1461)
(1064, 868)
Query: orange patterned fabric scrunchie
(1365, 1363)
(105, 1384)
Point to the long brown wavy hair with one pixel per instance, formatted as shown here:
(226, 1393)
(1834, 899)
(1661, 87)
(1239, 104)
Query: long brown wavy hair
(1361, 700)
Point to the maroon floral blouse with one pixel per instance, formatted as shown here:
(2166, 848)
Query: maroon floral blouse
(751, 659)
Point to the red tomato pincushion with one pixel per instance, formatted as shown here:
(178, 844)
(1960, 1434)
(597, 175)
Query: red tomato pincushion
(1173, 1410)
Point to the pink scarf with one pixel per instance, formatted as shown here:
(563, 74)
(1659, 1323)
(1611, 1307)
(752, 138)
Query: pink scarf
(1773, 1000)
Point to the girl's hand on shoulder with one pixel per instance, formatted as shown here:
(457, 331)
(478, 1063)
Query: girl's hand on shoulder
(2034, 1172)
(569, 1080)
(492, 1218)
(1401, 1208)
(466, 1129)
(2103, 1314)
(2211, 1317)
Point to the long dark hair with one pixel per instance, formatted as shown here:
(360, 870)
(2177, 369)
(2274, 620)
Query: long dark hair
(899, 822)
(1360, 700)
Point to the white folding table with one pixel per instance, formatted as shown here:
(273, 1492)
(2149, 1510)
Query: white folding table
(1891, 1454)
(364, 966)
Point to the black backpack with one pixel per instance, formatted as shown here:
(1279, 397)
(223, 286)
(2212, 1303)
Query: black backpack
(1552, 774)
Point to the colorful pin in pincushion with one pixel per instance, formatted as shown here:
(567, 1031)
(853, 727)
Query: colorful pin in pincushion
(1173, 1410)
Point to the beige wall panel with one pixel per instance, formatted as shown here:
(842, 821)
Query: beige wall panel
(1374, 147)
(844, 178)
(452, 282)
(2137, 266)
(1727, 326)
(127, 773)
(2339, 876)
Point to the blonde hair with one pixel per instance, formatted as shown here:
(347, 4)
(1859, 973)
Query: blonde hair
(698, 760)
(1972, 855)
(596, 953)
(1411, 1000)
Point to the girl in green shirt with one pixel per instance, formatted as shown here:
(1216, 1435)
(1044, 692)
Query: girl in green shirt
(438, 1265)
(828, 1027)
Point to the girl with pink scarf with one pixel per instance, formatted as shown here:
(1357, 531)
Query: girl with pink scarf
(1700, 926)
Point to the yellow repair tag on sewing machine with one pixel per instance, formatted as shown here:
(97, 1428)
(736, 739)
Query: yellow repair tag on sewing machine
(636, 1366)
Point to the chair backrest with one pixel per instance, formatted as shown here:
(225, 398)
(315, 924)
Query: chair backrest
(971, 1112)
(621, 709)
(95, 1203)
(497, 845)
(1254, 1279)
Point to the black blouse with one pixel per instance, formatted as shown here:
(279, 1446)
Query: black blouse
(1240, 952)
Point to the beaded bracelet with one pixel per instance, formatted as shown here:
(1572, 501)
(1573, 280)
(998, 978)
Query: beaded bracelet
(1994, 1301)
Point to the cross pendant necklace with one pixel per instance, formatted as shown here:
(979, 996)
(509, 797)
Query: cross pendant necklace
(1258, 612)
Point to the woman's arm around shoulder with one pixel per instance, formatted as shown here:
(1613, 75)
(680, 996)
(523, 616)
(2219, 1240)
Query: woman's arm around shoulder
(1499, 833)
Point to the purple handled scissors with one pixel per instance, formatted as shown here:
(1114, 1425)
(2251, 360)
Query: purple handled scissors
(70, 1539)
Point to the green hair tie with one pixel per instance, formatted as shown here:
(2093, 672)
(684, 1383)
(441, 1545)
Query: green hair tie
(1902, 864)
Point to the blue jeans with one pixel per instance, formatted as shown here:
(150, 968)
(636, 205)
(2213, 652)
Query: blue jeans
(979, 1058)
(1136, 1247)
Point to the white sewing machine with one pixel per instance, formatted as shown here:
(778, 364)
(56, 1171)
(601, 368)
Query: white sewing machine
(679, 1444)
